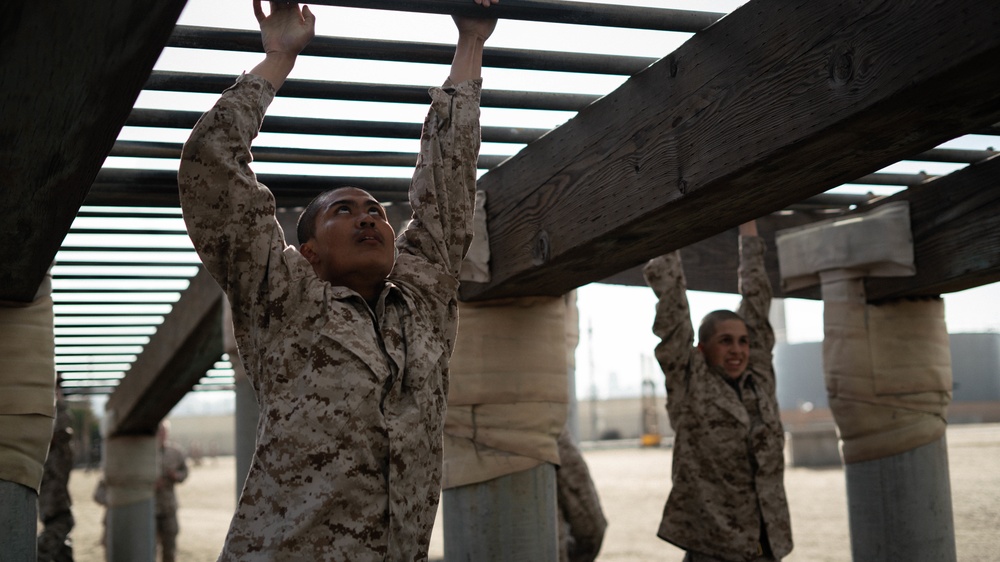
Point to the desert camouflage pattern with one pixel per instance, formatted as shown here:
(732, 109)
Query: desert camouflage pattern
(728, 463)
(581, 519)
(55, 506)
(173, 470)
(352, 400)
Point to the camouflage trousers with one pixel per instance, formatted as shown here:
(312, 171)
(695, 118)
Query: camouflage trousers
(166, 534)
(54, 544)
(698, 557)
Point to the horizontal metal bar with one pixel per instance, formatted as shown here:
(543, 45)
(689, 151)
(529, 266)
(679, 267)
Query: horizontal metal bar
(191, 37)
(86, 391)
(954, 155)
(221, 387)
(310, 126)
(135, 255)
(142, 149)
(172, 81)
(551, 11)
(123, 272)
(888, 178)
(159, 188)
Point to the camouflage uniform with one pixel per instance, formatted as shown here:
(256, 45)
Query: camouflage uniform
(173, 470)
(728, 466)
(54, 502)
(352, 400)
(581, 519)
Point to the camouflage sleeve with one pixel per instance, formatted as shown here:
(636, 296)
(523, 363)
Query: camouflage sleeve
(442, 192)
(756, 290)
(229, 215)
(672, 324)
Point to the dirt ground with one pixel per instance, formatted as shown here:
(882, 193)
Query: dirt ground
(633, 484)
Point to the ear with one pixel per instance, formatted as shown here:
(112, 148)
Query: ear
(307, 251)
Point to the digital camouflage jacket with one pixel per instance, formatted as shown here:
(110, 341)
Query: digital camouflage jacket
(728, 462)
(352, 400)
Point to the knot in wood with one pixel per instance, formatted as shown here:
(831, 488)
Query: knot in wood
(842, 65)
(540, 251)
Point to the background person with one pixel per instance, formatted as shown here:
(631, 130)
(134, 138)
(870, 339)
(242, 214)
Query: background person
(173, 470)
(728, 500)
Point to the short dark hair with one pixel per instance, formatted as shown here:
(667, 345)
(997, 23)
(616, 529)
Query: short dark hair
(707, 328)
(305, 228)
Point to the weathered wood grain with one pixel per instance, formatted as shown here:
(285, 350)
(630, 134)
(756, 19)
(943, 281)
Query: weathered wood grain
(774, 103)
(69, 75)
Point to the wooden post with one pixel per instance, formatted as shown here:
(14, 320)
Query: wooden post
(506, 409)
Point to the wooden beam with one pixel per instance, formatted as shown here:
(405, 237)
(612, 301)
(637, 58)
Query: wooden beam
(955, 221)
(71, 72)
(183, 348)
(776, 102)
(710, 265)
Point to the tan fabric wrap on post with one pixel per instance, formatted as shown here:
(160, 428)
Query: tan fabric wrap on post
(508, 391)
(887, 367)
(476, 265)
(27, 387)
(130, 469)
(572, 322)
(888, 375)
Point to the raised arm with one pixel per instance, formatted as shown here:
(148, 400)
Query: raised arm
(672, 324)
(229, 215)
(442, 192)
(756, 290)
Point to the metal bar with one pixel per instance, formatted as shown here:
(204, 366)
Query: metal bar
(141, 149)
(277, 182)
(834, 200)
(172, 81)
(309, 126)
(123, 272)
(955, 155)
(159, 188)
(551, 11)
(126, 232)
(886, 178)
(127, 257)
(191, 37)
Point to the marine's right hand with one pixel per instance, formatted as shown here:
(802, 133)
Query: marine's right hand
(287, 30)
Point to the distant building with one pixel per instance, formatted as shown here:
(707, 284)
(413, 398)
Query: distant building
(975, 360)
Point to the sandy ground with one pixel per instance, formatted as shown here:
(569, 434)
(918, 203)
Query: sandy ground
(633, 484)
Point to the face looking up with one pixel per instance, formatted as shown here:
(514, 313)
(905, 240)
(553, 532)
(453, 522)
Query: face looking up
(354, 244)
(728, 347)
